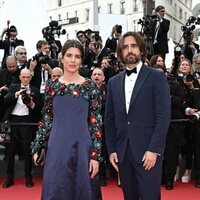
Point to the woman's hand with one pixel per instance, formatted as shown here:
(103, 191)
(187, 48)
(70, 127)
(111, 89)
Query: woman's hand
(35, 157)
(93, 168)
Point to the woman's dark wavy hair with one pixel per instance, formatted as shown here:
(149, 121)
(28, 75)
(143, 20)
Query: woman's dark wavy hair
(73, 43)
(139, 39)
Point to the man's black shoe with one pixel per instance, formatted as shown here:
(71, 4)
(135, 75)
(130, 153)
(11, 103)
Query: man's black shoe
(169, 185)
(8, 183)
(197, 184)
(29, 183)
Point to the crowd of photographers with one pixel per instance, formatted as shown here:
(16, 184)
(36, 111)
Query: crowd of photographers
(22, 84)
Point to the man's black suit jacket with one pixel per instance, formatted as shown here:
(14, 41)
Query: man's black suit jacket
(162, 39)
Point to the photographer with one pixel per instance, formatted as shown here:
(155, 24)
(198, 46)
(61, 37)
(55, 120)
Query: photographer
(112, 41)
(189, 48)
(9, 43)
(49, 33)
(160, 28)
(41, 65)
(85, 41)
(190, 84)
(96, 50)
(23, 106)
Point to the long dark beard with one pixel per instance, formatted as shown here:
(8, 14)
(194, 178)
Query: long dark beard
(132, 60)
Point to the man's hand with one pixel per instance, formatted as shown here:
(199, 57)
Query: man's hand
(114, 160)
(158, 16)
(47, 67)
(31, 104)
(5, 88)
(149, 160)
(93, 168)
(33, 64)
(191, 111)
(17, 93)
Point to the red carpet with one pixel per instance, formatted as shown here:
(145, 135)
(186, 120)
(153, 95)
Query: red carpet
(182, 191)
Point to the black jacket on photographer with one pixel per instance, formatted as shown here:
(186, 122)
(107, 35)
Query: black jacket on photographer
(9, 44)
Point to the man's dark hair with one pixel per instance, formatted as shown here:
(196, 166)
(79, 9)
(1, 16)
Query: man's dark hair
(83, 32)
(139, 39)
(40, 43)
(158, 8)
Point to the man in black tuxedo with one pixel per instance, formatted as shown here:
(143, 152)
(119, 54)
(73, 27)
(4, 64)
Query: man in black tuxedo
(9, 43)
(160, 29)
(137, 117)
(23, 106)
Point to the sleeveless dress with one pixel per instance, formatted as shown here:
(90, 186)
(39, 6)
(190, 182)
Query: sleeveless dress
(72, 126)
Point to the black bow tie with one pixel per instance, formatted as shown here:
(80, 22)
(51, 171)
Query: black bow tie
(129, 72)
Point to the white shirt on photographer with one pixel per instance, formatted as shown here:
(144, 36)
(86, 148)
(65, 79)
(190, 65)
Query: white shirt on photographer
(20, 108)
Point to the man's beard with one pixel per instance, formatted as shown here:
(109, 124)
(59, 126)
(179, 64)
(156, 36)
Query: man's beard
(132, 59)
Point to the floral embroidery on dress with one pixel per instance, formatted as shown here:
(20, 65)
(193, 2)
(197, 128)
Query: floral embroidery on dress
(87, 90)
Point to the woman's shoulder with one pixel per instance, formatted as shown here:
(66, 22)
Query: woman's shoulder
(88, 83)
(52, 85)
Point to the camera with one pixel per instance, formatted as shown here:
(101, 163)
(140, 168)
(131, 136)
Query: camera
(53, 29)
(41, 58)
(26, 96)
(3, 93)
(97, 38)
(188, 78)
(147, 23)
(187, 32)
(5, 133)
(194, 118)
(112, 59)
(189, 27)
(10, 30)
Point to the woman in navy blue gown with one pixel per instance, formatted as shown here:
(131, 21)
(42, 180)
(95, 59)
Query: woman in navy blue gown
(71, 125)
